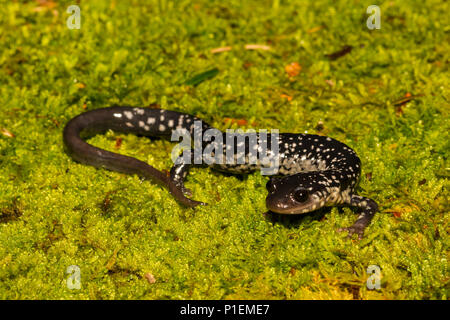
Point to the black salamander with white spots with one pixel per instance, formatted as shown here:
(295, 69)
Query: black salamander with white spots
(314, 171)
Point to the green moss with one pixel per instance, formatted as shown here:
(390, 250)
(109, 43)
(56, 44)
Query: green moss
(120, 230)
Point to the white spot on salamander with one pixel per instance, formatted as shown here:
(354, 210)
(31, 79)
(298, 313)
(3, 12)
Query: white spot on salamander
(128, 114)
(139, 111)
(118, 115)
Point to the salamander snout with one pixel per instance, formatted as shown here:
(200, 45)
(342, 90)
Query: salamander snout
(289, 196)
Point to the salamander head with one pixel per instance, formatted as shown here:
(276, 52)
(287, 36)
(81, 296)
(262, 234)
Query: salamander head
(295, 194)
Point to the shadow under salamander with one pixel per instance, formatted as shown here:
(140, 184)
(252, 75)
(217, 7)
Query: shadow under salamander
(294, 220)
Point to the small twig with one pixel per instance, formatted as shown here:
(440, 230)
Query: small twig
(7, 133)
(406, 99)
(246, 47)
(221, 49)
(257, 47)
(335, 55)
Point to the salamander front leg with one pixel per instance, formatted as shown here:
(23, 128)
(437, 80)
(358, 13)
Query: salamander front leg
(369, 207)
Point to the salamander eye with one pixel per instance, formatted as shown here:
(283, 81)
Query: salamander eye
(301, 195)
(270, 186)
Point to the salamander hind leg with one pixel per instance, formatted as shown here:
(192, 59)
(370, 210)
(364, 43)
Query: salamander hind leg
(180, 170)
(369, 208)
(177, 175)
(176, 185)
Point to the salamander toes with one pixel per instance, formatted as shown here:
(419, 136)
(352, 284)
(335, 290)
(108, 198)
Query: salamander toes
(186, 191)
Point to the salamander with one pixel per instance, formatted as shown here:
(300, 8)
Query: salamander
(312, 171)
